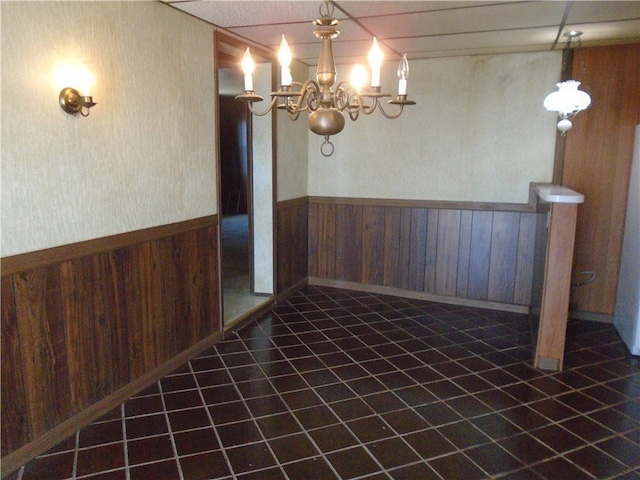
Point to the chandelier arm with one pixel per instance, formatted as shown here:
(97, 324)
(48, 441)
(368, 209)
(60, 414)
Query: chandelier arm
(262, 114)
(342, 97)
(353, 114)
(369, 109)
(311, 94)
(293, 115)
(294, 108)
(388, 115)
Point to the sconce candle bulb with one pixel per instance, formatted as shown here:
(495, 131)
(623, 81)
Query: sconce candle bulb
(284, 57)
(247, 68)
(403, 73)
(375, 60)
(358, 77)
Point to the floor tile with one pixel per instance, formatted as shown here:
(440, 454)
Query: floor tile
(337, 384)
(293, 447)
(246, 458)
(456, 467)
(203, 466)
(352, 463)
(392, 452)
(309, 468)
(596, 462)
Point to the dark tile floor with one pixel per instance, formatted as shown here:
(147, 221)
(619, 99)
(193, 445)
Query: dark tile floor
(343, 384)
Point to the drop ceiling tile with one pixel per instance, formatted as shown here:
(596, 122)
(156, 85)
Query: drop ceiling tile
(527, 39)
(473, 19)
(606, 33)
(597, 11)
(245, 13)
(297, 34)
(360, 9)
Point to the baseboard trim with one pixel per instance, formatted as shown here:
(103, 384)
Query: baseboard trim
(282, 296)
(248, 317)
(591, 316)
(380, 289)
(50, 439)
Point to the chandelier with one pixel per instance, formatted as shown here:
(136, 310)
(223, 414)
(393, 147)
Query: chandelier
(568, 101)
(326, 105)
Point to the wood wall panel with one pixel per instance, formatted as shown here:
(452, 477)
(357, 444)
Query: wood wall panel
(325, 232)
(292, 230)
(76, 330)
(391, 247)
(418, 270)
(481, 255)
(597, 163)
(373, 222)
(464, 254)
(404, 248)
(41, 329)
(348, 242)
(504, 251)
(447, 252)
(526, 257)
(13, 409)
(431, 260)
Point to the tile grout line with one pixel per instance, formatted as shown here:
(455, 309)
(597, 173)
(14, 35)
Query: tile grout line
(211, 422)
(176, 458)
(342, 422)
(244, 403)
(123, 419)
(392, 391)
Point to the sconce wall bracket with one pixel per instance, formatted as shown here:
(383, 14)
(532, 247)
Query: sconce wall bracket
(72, 102)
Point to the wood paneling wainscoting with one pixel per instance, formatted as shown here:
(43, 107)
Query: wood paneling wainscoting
(597, 163)
(478, 252)
(82, 322)
(292, 251)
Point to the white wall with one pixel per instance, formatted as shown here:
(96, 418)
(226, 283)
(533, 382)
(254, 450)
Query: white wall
(627, 313)
(146, 154)
(292, 138)
(478, 133)
(262, 186)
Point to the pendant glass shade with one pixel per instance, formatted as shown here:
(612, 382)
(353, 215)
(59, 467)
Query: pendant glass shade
(568, 100)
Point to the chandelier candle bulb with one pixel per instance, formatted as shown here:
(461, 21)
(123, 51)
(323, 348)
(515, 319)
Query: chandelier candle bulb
(247, 68)
(403, 74)
(284, 57)
(375, 60)
(358, 77)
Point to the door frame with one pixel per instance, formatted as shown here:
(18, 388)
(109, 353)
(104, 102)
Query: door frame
(228, 52)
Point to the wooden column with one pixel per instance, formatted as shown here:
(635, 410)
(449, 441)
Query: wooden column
(557, 284)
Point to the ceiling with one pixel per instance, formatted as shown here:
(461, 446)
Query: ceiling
(423, 29)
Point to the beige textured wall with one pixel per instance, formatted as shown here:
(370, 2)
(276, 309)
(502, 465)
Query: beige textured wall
(262, 187)
(478, 133)
(292, 146)
(146, 154)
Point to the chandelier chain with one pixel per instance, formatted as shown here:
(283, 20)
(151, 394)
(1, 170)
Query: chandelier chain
(326, 9)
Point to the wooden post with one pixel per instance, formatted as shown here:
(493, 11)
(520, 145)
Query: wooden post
(557, 284)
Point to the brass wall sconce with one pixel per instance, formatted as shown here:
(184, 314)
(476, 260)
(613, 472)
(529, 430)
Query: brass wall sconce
(72, 102)
(75, 100)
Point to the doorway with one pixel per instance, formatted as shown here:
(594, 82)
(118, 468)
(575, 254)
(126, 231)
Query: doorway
(246, 191)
